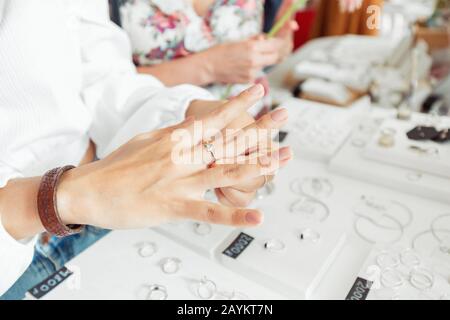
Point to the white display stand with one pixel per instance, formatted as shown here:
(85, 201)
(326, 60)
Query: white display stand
(378, 289)
(350, 161)
(316, 130)
(401, 155)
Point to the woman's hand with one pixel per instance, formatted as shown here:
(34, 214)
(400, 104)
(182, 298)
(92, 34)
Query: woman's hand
(143, 184)
(286, 33)
(243, 194)
(241, 62)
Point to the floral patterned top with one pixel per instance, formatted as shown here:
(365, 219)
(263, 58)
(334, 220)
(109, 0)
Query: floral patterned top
(163, 30)
(168, 29)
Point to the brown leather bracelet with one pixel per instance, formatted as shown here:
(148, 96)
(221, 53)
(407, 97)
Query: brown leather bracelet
(46, 204)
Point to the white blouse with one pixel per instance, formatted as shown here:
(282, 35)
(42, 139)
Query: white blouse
(66, 77)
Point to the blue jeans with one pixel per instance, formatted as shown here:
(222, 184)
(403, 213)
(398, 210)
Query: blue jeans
(49, 257)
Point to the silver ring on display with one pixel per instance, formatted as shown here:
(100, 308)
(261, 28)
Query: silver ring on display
(206, 289)
(305, 207)
(202, 228)
(387, 260)
(157, 292)
(147, 249)
(409, 258)
(435, 231)
(170, 265)
(309, 235)
(362, 236)
(421, 278)
(274, 245)
(209, 147)
(391, 278)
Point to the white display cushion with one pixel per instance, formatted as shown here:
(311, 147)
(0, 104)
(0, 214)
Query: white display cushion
(403, 156)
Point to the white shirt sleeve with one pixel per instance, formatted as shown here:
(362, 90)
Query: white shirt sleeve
(113, 90)
(15, 256)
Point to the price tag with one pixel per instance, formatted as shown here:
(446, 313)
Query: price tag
(238, 246)
(50, 283)
(360, 290)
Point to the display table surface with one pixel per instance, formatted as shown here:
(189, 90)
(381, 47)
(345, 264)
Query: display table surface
(112, 269)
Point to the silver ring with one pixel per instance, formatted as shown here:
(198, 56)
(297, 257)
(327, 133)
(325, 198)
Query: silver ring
(274, 245)
(202, 229)
(147, 249)
(209, 147)
(421, 278)
(266, 180)
(391, 278)
(206, 288)
(157, 292)
(170, 265)
(309, 235)
(387, 260)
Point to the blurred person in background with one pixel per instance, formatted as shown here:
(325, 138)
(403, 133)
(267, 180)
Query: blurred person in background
(218, 44)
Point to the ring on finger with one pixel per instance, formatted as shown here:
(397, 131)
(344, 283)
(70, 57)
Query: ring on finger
(209, 147)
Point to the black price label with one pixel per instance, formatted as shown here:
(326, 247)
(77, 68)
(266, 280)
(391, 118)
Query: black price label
(50, 283)
(360, 290)
(238, 246)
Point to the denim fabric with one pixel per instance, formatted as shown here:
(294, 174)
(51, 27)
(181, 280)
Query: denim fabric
(50, 257)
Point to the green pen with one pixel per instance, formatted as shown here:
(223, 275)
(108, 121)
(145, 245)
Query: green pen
(275, 29)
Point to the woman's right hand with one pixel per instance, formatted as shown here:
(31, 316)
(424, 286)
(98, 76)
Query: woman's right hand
(141, 184)
(241, 62)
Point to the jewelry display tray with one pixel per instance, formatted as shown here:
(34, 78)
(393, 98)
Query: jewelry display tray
(400, 154)
(351, 162)
(372, 272)
(294, 272)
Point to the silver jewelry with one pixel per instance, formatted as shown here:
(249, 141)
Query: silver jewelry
(157, 292)
(170, 265)
(430, 151)
(147, 249)
(206, 289)
(309, 235)
(265, 191)
(391, 278)
(386, 260)
(311, 208)
(312, 186)
(274, 245)
(377, 205)
(434, 229)
(202, 228)
(209, 147)
(421, 278)
(376, 224)
(409, 258)
(387, 138)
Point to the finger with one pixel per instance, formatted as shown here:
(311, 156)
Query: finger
(218, 214)
(253, 184)
(265, 59)
(222, 199)
(228, 175)
(267, 46)
(238, 198)
(214, 122)
(257, 135)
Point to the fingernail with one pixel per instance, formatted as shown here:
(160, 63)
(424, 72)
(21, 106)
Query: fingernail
(253, 218)
(283, 154)
(256, 90)
(279, 115)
